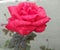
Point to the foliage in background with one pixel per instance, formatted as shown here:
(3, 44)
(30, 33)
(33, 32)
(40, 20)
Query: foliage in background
(45, 48)
(19, 42)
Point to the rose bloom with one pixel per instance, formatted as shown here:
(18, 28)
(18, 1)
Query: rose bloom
(27, 17)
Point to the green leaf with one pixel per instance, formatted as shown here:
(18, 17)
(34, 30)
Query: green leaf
(5, 31)
(16, 39)
(31, 36)
(42, 47)
(6, 43)
(11, 33)
(28, 47)
(28, 41)
(47, 49)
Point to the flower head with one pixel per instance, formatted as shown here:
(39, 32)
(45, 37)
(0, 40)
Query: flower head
(27, 17)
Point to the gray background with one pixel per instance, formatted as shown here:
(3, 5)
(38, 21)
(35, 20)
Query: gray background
(52, 31)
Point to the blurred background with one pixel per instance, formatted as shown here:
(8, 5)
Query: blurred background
(50, 37)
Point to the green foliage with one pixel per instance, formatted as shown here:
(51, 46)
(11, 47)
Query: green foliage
(7, 31)
(30, 37)
(28, 47)
(6, 43)
(44, 48)
(19, 42)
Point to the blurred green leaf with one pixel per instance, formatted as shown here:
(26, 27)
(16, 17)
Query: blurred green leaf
(42, 47)
(28, 47)
(10, 34)
(5, 31)
(50, 49)
(47, 49)
(18, 40)
(28, 41)
(31, 36)
(6, 43)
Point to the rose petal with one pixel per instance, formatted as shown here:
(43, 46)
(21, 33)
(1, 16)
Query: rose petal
(41, 12)
(41, 22)
(40, 28)
(25, 30)
(13, 12)
(21, 22)
(10, 26)
(29, 17)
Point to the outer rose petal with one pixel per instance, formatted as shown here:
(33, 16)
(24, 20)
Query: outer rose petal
(11, 19)
(13, 12)
(42, 12)
(41, 22)
(10, 26)
(25, 30)
(40, 28)
(21, 23)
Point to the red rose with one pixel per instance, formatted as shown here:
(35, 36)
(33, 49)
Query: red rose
(27, 17)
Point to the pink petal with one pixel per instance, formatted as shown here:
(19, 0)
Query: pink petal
(41, 22)
(12, 9)
(41, 12)
(40, 28)
(21, 22)
(29, 17)
(22, 12)
(13, 12)
(10, 26)
(25, 30)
